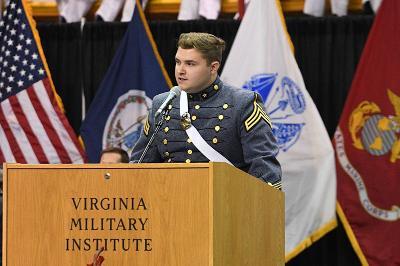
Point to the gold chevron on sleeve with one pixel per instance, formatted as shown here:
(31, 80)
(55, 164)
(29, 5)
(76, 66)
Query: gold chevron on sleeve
(146, 127)
(277, 185)
(255, 117)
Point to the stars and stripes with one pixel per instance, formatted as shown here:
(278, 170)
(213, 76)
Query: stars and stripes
(33, 128)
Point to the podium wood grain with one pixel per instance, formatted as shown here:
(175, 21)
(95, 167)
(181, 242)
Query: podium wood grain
(198, 214)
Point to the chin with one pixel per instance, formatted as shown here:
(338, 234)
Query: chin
(184, 88)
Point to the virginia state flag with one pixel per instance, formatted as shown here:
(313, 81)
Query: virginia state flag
(367, 143)
(119, 109)
(262, 60)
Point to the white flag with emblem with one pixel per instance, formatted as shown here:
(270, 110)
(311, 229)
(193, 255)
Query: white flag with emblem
(261, 59)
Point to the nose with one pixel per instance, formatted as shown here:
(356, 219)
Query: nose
(180, 69)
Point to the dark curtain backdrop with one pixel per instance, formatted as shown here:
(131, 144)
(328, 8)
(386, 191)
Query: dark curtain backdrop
(62, 48)
(327, 51)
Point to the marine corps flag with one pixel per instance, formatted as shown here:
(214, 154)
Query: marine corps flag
(367, 143)
(118, 112)
(261, 59)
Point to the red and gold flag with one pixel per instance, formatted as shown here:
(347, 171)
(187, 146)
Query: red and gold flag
(367, 143)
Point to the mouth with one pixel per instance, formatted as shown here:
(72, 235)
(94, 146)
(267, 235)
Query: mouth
(181, 79)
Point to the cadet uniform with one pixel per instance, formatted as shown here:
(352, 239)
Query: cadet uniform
(231, 120)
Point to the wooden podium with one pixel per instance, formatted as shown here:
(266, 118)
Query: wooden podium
(148, 214)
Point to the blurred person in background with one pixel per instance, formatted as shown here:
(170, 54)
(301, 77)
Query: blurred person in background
(114, 155)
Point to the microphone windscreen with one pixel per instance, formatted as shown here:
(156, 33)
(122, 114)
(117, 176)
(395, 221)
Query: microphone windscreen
(176, 90)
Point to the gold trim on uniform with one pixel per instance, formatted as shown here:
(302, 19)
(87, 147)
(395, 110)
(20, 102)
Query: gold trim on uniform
(255, 117)
(277, 185)
(146, 127)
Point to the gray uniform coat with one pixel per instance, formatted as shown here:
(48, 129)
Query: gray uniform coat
(231, 120)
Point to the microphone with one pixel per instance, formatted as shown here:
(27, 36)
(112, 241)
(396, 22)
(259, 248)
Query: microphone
(175, 91)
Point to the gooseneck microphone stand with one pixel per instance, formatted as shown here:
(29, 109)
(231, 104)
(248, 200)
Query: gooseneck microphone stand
(158, 127)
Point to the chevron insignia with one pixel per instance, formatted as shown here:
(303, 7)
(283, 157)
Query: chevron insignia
(146, 127)
(277, 185)
(255, 117)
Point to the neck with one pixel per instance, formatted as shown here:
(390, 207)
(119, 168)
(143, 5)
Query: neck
(212, 79)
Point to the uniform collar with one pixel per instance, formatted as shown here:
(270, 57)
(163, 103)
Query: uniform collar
(208, 92)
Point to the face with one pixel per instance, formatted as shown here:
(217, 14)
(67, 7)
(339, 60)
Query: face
(192, 73)
(110, 157)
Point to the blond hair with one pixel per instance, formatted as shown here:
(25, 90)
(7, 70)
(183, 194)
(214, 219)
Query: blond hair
(210, 46)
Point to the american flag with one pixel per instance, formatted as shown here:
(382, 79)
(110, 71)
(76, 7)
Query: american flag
(33, 128)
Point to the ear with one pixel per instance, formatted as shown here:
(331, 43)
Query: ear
(214, 67)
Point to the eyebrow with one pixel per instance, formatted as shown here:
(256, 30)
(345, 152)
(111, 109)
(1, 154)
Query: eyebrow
(186, 61)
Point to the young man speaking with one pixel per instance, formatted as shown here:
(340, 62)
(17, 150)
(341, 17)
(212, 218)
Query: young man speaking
(210, 120)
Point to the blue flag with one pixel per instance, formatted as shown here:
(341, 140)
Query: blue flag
(119, 109)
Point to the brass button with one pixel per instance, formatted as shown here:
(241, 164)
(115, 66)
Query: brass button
(165, 141)
(204, 95)
(166, 129)
(220, 117)
(168, 117)
(217, 128)
(189, 151)
(194, 117)
(169, 160)
(166, 154)
(170, 107)
(225, 106)
(189, 140)
(215, 140)
(187, 161)
(190, 96)
(216, 87)
(197, 107)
